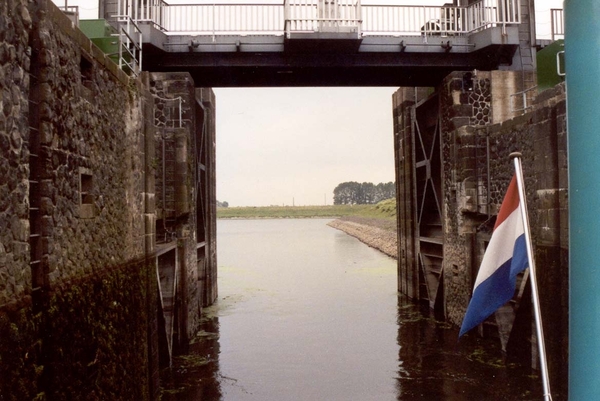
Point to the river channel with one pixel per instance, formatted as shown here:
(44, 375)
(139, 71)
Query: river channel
(306, 312)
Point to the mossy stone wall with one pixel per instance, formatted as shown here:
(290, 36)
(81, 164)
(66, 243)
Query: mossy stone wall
(95, 334)
(90, 342)
(82, 326)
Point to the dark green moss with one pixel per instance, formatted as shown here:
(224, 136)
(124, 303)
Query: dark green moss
(20, 368)
(97, 337)
(91, 342)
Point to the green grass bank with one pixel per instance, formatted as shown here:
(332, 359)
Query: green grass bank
(383, 210)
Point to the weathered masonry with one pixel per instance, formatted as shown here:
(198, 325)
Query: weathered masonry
(453, 169)
(107, 180)
(107, 214)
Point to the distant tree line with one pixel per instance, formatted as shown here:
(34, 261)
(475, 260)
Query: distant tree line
(355, 193)
(222, 204)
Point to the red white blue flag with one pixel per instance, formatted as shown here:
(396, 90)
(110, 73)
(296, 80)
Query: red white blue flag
(505, 257)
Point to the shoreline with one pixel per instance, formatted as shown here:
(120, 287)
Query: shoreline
(376, 233)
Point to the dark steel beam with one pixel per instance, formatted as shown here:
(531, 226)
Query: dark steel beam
(246, 69)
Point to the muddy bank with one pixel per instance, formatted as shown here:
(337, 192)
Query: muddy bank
(377, 233)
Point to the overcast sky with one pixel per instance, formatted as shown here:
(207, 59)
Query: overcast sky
(294, 145)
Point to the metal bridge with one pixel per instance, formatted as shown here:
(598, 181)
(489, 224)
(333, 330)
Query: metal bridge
(327, 42)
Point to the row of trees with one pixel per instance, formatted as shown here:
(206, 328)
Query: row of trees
(355, 193)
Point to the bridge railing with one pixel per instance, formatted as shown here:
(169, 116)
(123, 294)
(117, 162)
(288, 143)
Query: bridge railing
(129, 36)
(130, 45)
(148, 11)
(209, 18)
(218, 19)
(557, 23)
(446, 20)
(72, 12)
(488, 13)
(324, 16)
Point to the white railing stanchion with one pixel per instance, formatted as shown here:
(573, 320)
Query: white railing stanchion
(307, 16)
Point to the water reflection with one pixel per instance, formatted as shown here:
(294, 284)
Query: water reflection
(195, 376)
(308, 313)
(433, 365)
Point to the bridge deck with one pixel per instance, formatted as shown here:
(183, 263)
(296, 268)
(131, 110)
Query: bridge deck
(316, 42)
(239, 61)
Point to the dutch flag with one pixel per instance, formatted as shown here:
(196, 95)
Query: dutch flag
(505, 257)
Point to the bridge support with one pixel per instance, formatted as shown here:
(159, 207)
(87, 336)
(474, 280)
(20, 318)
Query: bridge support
(582, 23)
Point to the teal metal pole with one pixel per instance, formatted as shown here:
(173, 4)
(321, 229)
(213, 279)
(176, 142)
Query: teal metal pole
(582, 63)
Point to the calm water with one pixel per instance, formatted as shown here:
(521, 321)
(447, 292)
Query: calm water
(306, 312)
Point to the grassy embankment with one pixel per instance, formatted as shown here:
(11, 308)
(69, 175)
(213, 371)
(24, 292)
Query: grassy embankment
(383, 210)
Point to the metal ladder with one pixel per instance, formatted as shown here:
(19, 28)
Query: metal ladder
(527, 59)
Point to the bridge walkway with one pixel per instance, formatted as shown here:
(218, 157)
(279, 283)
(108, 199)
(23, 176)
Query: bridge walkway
(319, 42)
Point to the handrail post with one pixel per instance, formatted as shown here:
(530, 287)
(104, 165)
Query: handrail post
(214, 16)
(358, 17)
(426, 25)
(552, 22)
(286, 18)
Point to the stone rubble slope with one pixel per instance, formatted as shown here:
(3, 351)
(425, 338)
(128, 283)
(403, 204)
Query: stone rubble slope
(372, 232)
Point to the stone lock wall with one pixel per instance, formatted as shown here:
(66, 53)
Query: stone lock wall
(542, 138)
(18, 326)
(177, 136)
(480, 128)
(15, 27)
(77, 293)
(80, 171)
(477, 171)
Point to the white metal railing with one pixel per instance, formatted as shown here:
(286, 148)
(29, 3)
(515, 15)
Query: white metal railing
(217, 19)
(72, 12)
(445, 20)
(130, 44)
(525, 97)
(323, 16)
(149, 11)
(488, 13)
(557, 23)
(130, 35)
(409, 20)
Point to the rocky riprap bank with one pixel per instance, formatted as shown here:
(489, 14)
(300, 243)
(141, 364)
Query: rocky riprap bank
(377, 233)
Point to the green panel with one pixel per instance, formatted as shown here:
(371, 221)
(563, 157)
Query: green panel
(108, 45)
(96, 28)
(546, 66)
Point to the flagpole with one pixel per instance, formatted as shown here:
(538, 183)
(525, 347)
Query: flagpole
(516, 156)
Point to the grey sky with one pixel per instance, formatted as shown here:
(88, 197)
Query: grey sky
(279, 146)
(294, 145)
